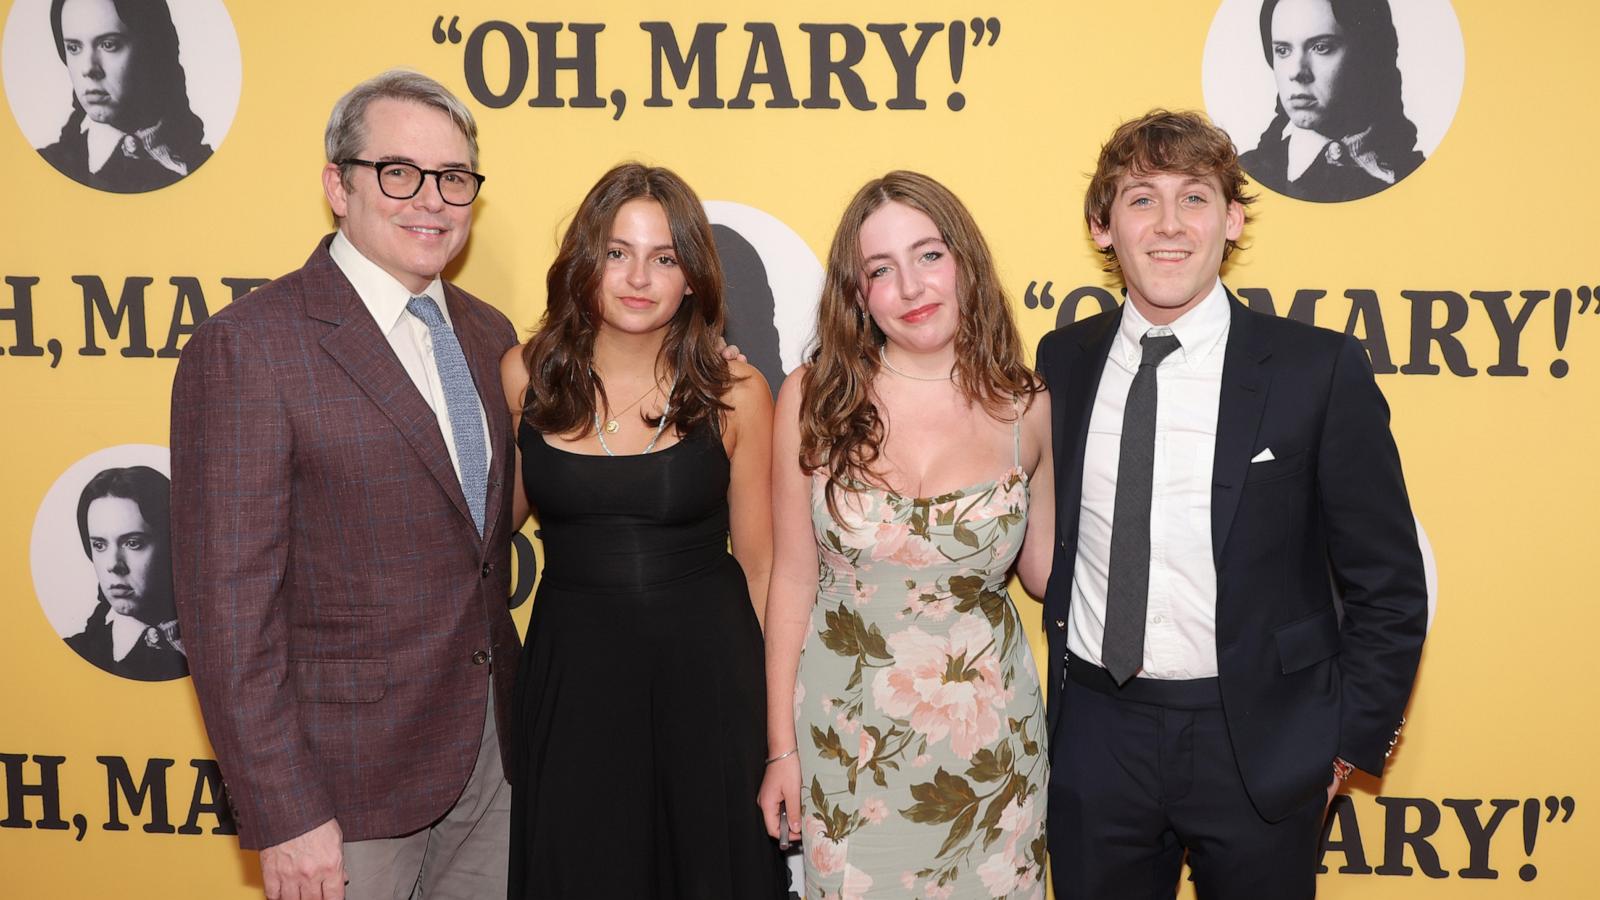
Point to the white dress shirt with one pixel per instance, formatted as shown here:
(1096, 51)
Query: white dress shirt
(1180, 637)
(386, 299)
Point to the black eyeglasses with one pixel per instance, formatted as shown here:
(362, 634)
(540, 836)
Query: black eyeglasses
(402, 180)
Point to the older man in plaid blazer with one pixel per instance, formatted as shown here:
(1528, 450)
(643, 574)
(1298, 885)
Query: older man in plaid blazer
(342, 492)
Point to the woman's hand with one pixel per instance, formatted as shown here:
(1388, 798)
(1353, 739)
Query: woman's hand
(781, 787)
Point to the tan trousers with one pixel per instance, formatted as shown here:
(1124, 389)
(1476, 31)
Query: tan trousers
(460, 857)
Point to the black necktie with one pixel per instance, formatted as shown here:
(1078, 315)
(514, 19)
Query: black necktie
(1128, 580)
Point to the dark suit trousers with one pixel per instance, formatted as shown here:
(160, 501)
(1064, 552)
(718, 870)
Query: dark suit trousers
(1141, 774)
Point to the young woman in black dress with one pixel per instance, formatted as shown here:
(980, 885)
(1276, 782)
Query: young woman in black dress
(640, 702)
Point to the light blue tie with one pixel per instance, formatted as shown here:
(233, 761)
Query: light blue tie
(461, 401)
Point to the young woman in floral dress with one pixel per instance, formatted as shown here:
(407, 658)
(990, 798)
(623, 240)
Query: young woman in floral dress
(905, 715)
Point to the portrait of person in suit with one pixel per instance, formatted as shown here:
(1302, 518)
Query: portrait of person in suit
(1237, 604)
(123, 524)
(341, 483)
(1340, 130)
(131, 128)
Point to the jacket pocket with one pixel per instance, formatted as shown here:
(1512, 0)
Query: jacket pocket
(1309, 641)
(338, 633)
(340, 680)
(1273, 469)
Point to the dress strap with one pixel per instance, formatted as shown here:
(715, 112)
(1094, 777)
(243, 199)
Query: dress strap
(1016, 433)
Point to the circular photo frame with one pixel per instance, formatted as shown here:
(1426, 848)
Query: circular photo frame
(123, 96)
(774, 283)
(1333, 100)
(102, 563)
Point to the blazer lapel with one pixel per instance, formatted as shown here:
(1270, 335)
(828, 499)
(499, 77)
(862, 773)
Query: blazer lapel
(1245, 381)
(483, 359)
(356, 344)
(1072, 423)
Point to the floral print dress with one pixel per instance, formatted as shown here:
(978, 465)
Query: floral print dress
(918, 706)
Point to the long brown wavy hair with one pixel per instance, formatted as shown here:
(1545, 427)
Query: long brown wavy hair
(841, 430)
(562, 386)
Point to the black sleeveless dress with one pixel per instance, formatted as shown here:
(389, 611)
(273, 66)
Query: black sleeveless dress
(640, 703)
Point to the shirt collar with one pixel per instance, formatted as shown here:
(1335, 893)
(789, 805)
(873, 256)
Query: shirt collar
(102, 141)
(126, 632)
(1307, 146)
(1199, 330)
(384, 297)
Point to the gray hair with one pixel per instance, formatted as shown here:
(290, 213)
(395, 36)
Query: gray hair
(347, 124)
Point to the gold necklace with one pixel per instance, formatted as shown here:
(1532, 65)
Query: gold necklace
(883, 357)
(611, 424)
(600, 434)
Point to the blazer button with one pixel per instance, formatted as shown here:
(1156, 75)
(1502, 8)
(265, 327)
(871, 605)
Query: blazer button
(487, 568)
(1061, 623)
(479, 657)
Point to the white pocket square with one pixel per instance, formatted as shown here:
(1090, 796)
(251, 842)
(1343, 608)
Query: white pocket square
(1263, 456)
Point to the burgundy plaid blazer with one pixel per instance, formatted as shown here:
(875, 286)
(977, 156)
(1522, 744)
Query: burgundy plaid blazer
(338, 604)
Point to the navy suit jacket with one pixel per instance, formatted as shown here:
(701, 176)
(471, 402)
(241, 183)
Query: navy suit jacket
(1325, 524)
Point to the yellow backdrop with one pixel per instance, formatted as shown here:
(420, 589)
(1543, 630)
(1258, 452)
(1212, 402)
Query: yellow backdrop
(1490, 247)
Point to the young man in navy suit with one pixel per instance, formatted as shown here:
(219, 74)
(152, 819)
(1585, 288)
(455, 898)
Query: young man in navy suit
(1237, 604)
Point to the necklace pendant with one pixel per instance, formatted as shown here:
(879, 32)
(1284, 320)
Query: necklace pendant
(612, 426)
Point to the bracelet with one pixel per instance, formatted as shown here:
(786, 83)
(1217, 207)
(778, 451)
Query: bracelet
(783, 756)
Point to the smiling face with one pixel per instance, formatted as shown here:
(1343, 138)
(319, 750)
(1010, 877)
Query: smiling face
(100, 61)
(122, 548)
(412, 240)
(642, 285)
(1169, 231)
(909, 279)
(1309, 56)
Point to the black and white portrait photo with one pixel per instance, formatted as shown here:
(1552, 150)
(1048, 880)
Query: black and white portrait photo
(1333, 100)
(773, 284)
(121, 95)
(103, 565)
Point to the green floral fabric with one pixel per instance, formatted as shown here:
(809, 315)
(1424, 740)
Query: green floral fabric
(918, 705)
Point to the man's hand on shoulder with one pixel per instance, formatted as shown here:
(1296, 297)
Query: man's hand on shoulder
(730, 352)
(308, 867)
